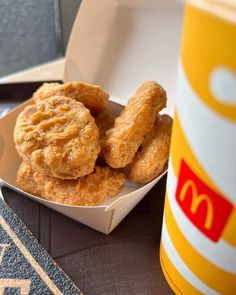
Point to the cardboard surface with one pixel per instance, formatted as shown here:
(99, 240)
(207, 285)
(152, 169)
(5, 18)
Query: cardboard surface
(119, 44)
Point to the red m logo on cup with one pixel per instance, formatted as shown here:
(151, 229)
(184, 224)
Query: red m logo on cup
(207, 210)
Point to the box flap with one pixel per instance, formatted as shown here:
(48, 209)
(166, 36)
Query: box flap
(120, 44)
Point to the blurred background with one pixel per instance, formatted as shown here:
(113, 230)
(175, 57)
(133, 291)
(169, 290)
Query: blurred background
(34, 32)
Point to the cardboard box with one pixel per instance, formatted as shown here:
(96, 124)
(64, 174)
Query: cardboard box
(118, 45)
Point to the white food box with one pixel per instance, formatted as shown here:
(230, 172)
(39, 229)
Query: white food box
(117, 44)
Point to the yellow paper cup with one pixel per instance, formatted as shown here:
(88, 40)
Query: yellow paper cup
(198, 245)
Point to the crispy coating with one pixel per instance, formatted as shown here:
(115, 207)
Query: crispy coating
(92, 96)
(133, 125)
(90, 190)
(153, 155)
(58, 137)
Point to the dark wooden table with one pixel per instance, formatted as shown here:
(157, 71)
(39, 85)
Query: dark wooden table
(124, 262)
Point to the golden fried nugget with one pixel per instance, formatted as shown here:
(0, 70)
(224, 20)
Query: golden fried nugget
(133, 125)
(92, 96)
(153, 155)
(90, 190)
(58, 137)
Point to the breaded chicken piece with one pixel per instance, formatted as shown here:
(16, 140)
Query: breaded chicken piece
(153, 155)
(92, 96)
(58, 137)
(90, 190)
(133, 125)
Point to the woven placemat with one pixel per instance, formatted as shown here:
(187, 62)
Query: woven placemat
(25, 266)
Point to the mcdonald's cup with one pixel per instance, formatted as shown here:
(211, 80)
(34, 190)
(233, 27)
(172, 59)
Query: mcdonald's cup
(198, 244)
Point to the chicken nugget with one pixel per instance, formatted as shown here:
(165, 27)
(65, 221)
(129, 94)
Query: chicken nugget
(58, 137)
(90, 190)
(153, 155)
(92, 96)
(133, 125)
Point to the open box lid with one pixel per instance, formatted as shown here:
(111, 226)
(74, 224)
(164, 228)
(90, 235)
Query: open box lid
(119, 44)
